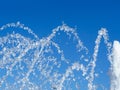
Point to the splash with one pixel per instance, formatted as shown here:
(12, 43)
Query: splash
(115, 82)
(30, 63)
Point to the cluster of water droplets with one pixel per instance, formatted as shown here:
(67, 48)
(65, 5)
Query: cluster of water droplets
(31, 63)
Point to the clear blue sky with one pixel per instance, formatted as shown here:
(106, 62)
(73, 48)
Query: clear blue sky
(44, 15)
(87, 15)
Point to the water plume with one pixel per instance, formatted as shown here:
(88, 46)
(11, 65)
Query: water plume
(115, 77)
(42, 64)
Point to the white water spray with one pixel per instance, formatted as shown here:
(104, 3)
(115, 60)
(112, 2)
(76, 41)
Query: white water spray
(101, 33)
(115, 82)
(40, 64)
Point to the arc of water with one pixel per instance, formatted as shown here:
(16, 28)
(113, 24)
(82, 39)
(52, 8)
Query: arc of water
(68, 30)
(19, 25)
(75, 66)
(101, 33)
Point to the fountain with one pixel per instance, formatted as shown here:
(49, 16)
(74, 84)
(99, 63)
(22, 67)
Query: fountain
(30, 63)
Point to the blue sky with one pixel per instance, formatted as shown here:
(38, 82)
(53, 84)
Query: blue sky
(44, 15)
(41, 15)
(88, 16)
